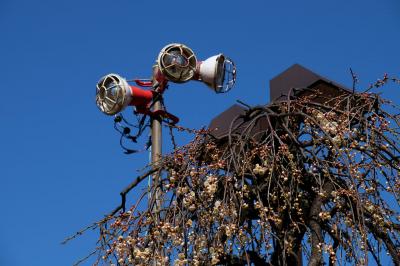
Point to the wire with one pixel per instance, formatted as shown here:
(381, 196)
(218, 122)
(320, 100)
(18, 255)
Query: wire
(124, 128)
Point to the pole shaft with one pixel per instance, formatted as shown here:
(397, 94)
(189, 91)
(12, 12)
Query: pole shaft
(156, 146)
(156, 152)
(156, 135)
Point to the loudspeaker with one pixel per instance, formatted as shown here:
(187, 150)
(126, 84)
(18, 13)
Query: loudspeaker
(113, 94)
(217, 72)
(177, 62)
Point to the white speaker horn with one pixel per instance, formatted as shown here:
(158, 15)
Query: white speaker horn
(217, 72)
(177, 62)
(113, 94)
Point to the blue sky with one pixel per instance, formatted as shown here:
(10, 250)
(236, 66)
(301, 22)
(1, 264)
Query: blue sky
(61, 167)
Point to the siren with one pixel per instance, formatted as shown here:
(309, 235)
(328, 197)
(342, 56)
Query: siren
(177, 63)
(113, 94)
(217, 72)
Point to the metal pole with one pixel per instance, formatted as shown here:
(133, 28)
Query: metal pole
(156, 145)
(156, 149)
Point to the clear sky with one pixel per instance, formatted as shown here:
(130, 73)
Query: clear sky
(61, 167)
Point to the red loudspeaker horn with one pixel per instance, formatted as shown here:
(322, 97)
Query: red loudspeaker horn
(113, 94)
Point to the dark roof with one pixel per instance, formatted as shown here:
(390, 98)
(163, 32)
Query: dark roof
(296, 76)
(220, 125)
